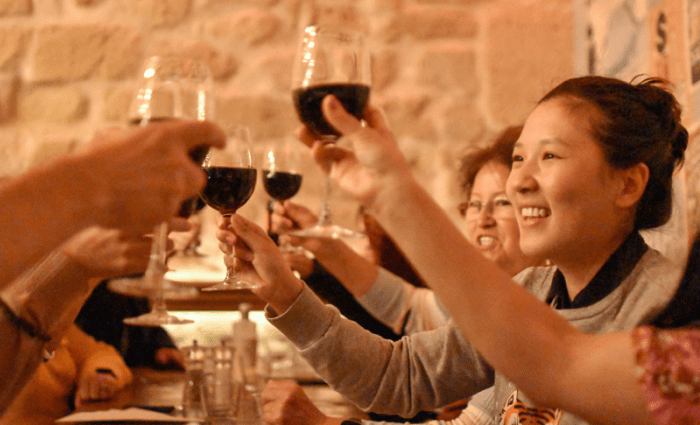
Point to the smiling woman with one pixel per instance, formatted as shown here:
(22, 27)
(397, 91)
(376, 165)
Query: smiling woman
(571, 193)
(490, 216)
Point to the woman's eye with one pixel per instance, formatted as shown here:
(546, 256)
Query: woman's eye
(517, 158)
(502, 202)
(474, 205)
(549, 155)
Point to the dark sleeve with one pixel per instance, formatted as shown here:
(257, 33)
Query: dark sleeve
(326, 286)
(102, 317)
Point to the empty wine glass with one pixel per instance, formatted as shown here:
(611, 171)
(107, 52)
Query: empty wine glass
(329, 61)
(172, 87)
(281, 175)
(230, 183)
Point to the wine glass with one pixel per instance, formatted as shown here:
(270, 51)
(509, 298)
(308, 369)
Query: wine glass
(281, 177)
(230, 183)
(172, 87)
(329, 61)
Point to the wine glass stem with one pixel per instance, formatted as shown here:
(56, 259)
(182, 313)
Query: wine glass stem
(156, 267)
(230, 270)
(156, 263)
(325, 218)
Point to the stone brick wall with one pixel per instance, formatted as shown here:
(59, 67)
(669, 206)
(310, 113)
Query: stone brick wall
(448, 73)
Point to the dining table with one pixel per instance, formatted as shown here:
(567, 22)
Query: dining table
(162, 391)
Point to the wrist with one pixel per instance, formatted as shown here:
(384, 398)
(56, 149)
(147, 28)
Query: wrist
(285, 295)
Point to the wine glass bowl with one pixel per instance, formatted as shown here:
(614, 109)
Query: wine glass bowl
(171, 87)
(281, 176)
(329, 61)
(231, 181)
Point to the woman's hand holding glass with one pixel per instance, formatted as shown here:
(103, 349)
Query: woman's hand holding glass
(373, 167)
(259, 261)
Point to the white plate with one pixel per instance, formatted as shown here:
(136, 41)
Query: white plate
(131, 414)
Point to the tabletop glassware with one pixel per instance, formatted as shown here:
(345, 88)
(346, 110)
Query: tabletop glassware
(171, 88)
(281, 176)
(329, 61)
(231, 181)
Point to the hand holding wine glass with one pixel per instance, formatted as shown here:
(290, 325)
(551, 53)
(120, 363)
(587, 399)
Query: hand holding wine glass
(329, 61)
(281, 176)
(230, 184)
(172, 88)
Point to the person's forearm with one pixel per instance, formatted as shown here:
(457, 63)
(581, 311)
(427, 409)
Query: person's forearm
(354, 271)
(48, 296)
(43, 208)
(555, 364)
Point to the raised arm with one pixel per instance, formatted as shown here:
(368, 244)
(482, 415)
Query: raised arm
(129, 179)
(521, 337)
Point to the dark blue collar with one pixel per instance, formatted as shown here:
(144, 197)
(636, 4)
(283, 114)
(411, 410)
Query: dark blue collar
(610, 276)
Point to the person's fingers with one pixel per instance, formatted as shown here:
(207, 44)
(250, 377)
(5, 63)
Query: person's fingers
(306, 136)
(179, 224)
(194, 133)
(226, 248)
(300, 214)
(249, 233)
(375, 118)
(225, 236)
(344, 122)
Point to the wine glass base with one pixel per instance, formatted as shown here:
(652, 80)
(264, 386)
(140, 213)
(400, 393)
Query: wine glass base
(138, 287)
(230, 286)
(330, 231)
(156, 319)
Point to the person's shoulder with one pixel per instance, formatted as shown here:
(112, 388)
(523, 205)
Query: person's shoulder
(658, 268)
(537, 280)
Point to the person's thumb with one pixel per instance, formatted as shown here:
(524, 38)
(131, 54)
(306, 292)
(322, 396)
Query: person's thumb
(344, 122)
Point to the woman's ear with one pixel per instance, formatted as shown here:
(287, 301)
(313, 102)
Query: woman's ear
(634, 182)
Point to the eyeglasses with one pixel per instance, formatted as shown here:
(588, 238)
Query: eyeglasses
(499, 207)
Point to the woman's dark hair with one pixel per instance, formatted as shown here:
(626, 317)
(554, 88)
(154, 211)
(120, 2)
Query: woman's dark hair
(501, 151)
(637, 123)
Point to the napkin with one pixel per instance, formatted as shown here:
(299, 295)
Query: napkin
(131, 414)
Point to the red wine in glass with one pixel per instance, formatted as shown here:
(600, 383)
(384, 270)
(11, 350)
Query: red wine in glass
(228, 188)
(281, 185)
(307, 101)
(329, 61)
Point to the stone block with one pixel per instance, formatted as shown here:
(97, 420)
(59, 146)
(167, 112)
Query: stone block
(385, 68)
(339, 15)
(273, 69)
(225, 3)
(9, 87)
(116, 103)
(16, 7)
(223, 65)
(464, 125)
(123, 54)
(13, 42)
(88, 3)
(408, 116)
(529, 49)
(266, 116)
(160, 13)
(427, 23)
(49, 148)
(53, 104)
(450, 67)
(12, 156)
(67, 53)
(252, 27)
(454, 2)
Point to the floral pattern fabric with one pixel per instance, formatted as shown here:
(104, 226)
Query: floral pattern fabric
(669, 371)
